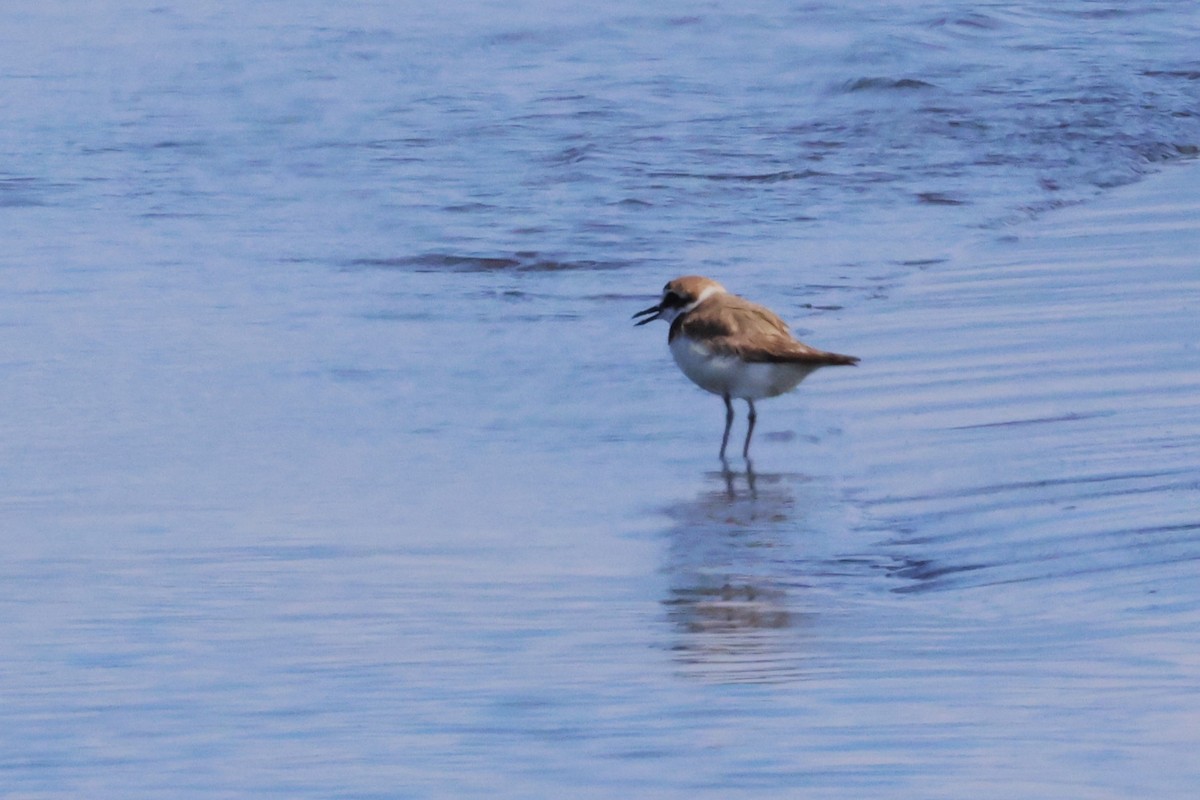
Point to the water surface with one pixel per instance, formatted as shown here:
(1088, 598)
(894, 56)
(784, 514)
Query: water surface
(332, 466)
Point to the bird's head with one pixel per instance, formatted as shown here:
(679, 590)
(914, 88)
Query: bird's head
(679, 297)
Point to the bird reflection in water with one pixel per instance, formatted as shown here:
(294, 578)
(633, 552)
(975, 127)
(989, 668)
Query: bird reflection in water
(731, 575)
(730, 478)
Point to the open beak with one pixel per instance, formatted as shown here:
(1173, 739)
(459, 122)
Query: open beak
(652, 311)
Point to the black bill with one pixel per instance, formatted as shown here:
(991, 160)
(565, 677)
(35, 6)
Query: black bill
(653, 310)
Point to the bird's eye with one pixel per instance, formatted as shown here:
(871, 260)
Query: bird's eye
(670, 300)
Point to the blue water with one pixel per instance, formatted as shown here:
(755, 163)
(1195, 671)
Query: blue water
(331, 465)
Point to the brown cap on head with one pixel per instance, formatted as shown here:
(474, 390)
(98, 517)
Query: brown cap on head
(690, 286)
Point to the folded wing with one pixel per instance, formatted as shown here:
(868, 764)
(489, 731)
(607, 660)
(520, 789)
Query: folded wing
(737, 327)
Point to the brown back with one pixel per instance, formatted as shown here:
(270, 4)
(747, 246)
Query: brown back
(732, 325)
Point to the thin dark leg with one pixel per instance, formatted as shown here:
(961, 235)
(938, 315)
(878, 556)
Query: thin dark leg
(728, 425)
(728, 475)
(753, 416)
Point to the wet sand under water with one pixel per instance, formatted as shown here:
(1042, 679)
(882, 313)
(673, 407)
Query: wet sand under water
(1031, 415)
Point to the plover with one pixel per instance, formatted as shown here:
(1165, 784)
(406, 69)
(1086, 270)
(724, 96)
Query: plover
(732, 347)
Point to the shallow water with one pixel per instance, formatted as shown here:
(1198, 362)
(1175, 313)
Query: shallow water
(332, 465)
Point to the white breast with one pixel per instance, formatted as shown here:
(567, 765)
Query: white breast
(729, 375)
